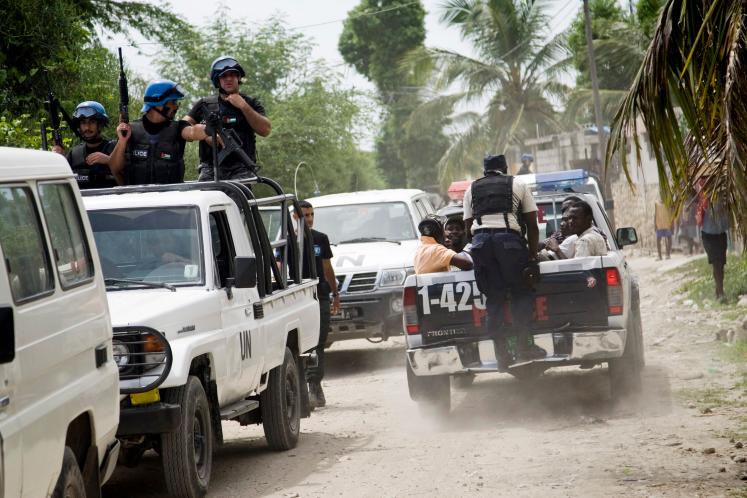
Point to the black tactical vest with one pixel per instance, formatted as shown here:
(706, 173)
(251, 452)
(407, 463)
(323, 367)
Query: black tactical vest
(493, 194)
(155, 158)
(96, 176)
(233, 119)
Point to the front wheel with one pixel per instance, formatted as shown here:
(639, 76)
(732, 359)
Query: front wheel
(70, 483)
(281, 405)
(187, 453)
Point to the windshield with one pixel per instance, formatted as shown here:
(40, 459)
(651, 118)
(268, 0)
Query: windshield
(155, 245)
(365, 222)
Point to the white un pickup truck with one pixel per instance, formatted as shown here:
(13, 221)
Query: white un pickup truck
(586, 312)
(209, 324)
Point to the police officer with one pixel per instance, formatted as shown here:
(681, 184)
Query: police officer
(151, 149)
(494, 205)
(241, 113)
(526, 164)
(90, 159)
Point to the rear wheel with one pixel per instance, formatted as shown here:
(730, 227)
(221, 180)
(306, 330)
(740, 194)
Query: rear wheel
(281, 405)
(625, 372)
(70, 483)
(187, 453)
(463, 381)
(432, 393)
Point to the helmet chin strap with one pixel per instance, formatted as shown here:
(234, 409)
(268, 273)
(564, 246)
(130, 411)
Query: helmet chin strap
(163, 113)
(93, 140)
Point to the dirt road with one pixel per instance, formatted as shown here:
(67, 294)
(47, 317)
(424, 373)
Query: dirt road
(559, 436)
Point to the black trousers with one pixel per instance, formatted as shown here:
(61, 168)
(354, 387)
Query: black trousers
(231, 172)
(316, 373)
(499, 262)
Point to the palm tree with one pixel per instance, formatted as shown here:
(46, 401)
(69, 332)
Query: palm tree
(690, 93)
(512, 75)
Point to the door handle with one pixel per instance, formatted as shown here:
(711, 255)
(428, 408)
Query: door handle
(4, 402)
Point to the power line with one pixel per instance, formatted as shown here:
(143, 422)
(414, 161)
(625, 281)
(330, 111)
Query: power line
(292, 28)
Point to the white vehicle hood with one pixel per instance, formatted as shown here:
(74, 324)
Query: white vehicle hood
(372, 256)
(188, 309)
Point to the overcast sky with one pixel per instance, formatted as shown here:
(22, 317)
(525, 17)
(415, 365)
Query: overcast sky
(302, 13)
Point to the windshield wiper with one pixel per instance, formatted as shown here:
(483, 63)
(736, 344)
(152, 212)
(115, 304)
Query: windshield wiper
(369, 239)
(155, 285)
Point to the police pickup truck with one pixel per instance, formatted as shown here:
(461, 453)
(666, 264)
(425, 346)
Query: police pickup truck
(586, 312)
(211, 320)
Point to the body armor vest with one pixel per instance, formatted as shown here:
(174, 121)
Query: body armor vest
(493, 194)
(232, 119)
(155, 158)
(96, 176)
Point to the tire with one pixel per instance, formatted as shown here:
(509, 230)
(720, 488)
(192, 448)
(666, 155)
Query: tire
(528, 373)
(432, 393)
(625, 372)
(187, 453)
(70, 483)
(463, 381)
(281, 405)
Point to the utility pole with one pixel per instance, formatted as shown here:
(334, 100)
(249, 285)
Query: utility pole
(601, 135)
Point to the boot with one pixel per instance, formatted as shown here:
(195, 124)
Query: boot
(502, 357)
(313, 397)
(316, 394)
(528, 352)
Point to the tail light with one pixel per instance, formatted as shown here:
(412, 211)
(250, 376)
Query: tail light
(614, 292)
(410, 311)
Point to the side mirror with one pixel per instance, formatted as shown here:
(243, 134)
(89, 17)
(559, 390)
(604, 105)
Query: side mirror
(7, 335)
(245, 269)
(626, 236)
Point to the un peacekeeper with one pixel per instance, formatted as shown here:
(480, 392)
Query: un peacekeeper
(90, 159)
(151, 149)
(492, 206)
(241, 113)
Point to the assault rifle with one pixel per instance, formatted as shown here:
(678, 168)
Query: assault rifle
(124, 97)
(231, 142)
(54, 109)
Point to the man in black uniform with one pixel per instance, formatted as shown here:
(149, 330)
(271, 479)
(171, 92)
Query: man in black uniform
(503, 263)
(327, 284)
(90, 160)
(151, 149)
(241, 113)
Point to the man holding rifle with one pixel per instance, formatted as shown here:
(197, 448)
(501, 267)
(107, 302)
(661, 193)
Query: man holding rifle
(90, 159)
(241, 117)
(151, 149)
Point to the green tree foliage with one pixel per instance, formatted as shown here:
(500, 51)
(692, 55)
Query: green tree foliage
(620, 41)
(693, 72)
(513, 75)
(376, 35)
(312, 120)
(41, 43)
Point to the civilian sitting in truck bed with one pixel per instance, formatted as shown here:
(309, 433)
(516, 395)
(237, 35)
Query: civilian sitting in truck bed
(431, 255)
(590, 242)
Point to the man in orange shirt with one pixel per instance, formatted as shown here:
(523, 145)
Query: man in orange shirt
(431, 255)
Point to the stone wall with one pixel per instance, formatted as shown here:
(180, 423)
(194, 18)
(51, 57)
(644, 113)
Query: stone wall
(636, 209)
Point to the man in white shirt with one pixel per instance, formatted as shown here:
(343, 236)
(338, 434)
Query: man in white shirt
(493, 208)
(590, 242)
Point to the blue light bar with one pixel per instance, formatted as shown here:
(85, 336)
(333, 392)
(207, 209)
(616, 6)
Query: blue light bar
(561, 176)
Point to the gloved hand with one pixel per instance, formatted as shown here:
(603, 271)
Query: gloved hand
(531, 274)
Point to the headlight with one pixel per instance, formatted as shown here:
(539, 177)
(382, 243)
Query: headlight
(121, 353)
(396, 305)
(143, 356)
(392, 278)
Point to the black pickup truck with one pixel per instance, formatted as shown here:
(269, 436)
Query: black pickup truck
(586, 312)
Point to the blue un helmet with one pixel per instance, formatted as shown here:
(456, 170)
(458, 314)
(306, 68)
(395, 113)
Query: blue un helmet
(222, 65)
(159, 92)
(90, 109)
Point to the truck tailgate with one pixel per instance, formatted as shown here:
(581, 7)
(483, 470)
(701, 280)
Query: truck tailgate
(571, 295)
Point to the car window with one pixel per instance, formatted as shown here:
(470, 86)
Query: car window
(24, 249)
(422, 211)
(223, 250)
(69, 244)
(365, 222)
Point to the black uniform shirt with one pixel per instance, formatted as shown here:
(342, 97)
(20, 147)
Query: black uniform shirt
(200, 112)
(322, 250)
(97, 175)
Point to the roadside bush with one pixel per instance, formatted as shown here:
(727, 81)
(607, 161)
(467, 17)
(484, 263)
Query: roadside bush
(700, 286)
